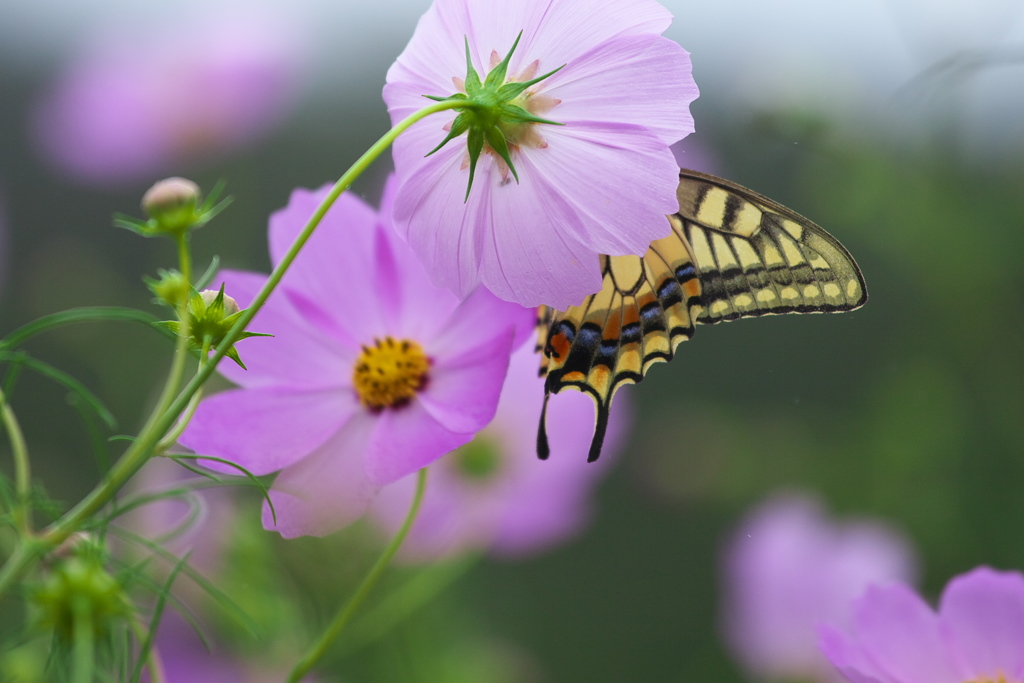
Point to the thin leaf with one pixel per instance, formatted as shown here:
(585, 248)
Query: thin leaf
(155, 621)
(249, 475)
(96, 440)
(68, 382)
(217, 594)
(208, 274)
(86, 314)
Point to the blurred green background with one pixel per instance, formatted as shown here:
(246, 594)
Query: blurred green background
(911, 409)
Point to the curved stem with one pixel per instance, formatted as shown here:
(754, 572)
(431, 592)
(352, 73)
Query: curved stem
(348, 610)
(22, 471)
(160, 422)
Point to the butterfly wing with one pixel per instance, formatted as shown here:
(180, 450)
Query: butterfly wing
(732, 253)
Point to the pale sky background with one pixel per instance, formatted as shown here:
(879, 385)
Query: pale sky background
(845, 58)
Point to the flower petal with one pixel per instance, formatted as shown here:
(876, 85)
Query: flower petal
(265, 429)
(332, 276)
(630, 185)
(299, 355)
(848, 658)
(983, 613)
(655, 71)
(463, 391)
(327, 489)
(431, 212)
(899, 633)
(405, 440)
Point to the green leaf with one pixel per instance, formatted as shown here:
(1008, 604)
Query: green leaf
(137, 226)
(73, 316)
(65, 380)
(215, 593)
(208, 274)
(154, 623)
(249, 475)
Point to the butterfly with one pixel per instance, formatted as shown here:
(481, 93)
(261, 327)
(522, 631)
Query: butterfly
(732, 253)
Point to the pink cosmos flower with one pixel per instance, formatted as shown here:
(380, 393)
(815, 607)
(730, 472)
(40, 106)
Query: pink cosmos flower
(601, 183)
(371, 375)
(185, 659)
(787, 569)
(494, 493)
(977, 636)
(124, 110)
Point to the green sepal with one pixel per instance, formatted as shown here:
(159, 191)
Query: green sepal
(497, 75)
(459, 126)
(510, 91)
(137, 226)
(438, 98)
(496, 139)
(473, 84)
(475, 145)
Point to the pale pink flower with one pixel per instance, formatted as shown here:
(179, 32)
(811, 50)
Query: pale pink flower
(136, 108)
(601, 183)
(494, 494)
(372, 373)
(787, 569)
(977, 635)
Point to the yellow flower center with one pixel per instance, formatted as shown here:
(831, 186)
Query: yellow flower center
(999, 678)
(389, 373)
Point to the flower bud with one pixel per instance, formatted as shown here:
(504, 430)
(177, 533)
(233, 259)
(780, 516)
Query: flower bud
(172, 204)
(209, 296)
(210, 315)
(171, 288)
(174, 207)
(79, 587)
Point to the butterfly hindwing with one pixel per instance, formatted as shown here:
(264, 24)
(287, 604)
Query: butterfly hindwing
(732, 253)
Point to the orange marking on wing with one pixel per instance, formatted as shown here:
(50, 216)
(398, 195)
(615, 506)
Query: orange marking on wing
(691, 288)
(559, 346)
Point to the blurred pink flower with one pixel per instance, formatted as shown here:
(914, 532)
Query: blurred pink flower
(494, 493)
(977, 636)
(198, 524)
(185, 659)
(125, 110)
(371, 375)
(789, 568)
(693, 154)
(601, 183)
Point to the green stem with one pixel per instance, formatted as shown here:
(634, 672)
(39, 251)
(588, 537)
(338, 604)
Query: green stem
(83, 649)
(345, 614)
(22, 471)
(184, 256)
(172, 436)
(159, 423)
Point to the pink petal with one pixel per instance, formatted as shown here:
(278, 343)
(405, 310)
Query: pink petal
(983, 613)
(407, 439)
(431, 214)
(265, 429)
(327, 489)
(553, 33)
(655, 71)
(848, 658)
(478, 319)
(332, 279)
(299, 355)
(414, 307)
(899, 633)
(463, 391)
(629, 187)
